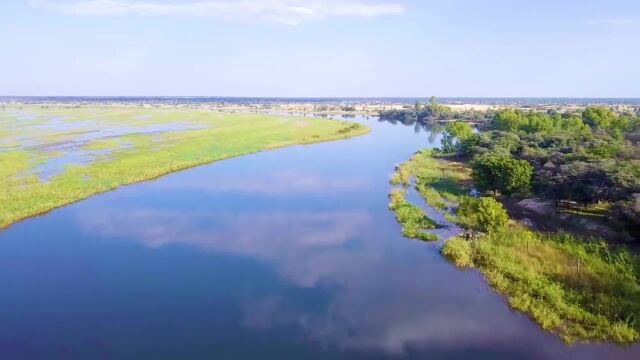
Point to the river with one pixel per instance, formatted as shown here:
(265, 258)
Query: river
(284, 254)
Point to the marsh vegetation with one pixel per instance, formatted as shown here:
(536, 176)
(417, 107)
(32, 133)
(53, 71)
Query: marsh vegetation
(52, 156)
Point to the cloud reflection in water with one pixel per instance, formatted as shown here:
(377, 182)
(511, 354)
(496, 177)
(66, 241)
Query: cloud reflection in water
(379, 300)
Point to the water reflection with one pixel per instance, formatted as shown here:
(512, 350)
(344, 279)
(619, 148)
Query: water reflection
(292, 182)
(302, 246)
(433, 129)
(377, 301)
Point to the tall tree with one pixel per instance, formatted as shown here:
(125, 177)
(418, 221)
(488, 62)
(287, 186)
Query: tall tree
(501, 173)
(455, 133)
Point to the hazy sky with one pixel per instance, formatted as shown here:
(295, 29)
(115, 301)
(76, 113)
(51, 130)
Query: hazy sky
(509, 48)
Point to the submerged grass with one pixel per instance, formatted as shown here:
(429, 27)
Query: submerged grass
(145, 156)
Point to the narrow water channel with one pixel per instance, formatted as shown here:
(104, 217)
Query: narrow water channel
(285, 254)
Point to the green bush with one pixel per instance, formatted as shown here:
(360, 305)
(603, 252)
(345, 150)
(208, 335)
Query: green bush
(482, 214)
(458, 251)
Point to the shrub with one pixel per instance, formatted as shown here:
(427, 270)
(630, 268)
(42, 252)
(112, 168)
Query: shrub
(482, 214)
(458, 251)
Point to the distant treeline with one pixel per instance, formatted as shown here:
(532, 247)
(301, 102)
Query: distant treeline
(431, 112)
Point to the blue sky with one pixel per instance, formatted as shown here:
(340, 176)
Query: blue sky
(490, 48)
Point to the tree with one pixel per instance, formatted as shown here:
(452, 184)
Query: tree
(536, 122)
(454, 135)
(508, 119)
(418, 106)
(499, 172)
(436, 110)
(622, 122)
(482, 214)
(598, 116)
(629, 212)
(574, 124)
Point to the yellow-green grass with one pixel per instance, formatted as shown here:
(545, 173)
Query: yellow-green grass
(439, 181)
(200, 137)
(413, 220)
(578, 289)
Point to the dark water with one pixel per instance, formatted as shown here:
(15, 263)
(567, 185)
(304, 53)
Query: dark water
(286, 254)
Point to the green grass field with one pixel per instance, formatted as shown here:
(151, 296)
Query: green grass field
(52, 156)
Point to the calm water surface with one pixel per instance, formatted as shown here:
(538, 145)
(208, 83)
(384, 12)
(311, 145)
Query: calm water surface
(290, 253)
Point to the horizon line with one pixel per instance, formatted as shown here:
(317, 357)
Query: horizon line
(317, 97)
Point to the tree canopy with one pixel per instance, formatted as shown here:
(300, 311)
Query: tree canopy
(598, 116)
(454, 136)
(501, 173)
(482, 214)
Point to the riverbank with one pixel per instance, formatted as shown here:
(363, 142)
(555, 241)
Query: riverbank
(577, 288)
(56, 156)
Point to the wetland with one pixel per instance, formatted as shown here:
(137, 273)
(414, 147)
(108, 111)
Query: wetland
(290, 252)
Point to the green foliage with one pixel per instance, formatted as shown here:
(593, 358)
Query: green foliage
(602, 149)
(599, 117)
(512, 120)
(436, 110)
(438, 181)
(573, 124)
(501, 173)
(578, 289)
(454, 135)
(623, 122)
(507, 120)
(483, 214)
(535, 122)
(571, 162)
(458, 251)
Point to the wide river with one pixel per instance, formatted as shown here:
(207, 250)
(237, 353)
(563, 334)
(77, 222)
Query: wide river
(285, 254)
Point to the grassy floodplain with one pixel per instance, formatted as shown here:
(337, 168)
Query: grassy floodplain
(580, 289)
(55, 155)
(439, 182)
